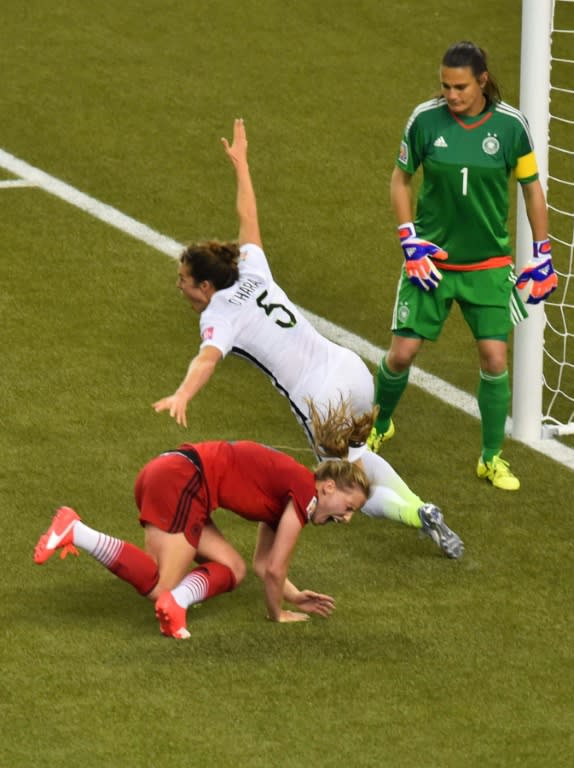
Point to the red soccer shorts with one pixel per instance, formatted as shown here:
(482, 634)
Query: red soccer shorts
(171, 494)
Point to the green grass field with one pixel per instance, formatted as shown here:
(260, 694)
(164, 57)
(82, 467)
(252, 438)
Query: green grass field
(427, 663)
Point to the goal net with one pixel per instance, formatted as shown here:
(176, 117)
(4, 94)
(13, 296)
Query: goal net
(558, 405)
(543, 400)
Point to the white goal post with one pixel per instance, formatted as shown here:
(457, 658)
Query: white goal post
(530, 422)
(534, 103)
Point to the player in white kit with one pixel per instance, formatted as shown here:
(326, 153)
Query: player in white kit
(244, 312)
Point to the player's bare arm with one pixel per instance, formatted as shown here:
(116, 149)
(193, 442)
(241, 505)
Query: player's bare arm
(271, 563)
(200, 370)
(401, 195)
(536, 209)
(538, 277)
(246, 201)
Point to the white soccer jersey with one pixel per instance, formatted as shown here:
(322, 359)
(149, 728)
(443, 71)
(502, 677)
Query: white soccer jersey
(256, 320)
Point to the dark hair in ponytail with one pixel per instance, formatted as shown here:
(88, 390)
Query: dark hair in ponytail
(212, 261)
(467, 54)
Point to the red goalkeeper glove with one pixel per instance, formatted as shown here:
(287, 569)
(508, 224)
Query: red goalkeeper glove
(418, 262)
(540, 271)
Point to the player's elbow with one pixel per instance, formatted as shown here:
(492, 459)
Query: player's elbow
(239, 569)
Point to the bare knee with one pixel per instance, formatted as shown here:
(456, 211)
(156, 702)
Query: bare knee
(402, 353)
(239, 570)
(493, 356)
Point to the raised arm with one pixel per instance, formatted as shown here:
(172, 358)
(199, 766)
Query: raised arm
(246, 202)
(198, 374)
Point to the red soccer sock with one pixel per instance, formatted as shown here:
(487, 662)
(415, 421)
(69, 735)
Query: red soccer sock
(205, 581)
(136, 567)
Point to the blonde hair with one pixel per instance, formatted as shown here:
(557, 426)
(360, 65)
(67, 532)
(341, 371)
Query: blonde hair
(336, 428)
(344, 474)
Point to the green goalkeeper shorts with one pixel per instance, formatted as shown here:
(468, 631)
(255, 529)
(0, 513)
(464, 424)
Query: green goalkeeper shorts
(488, 299)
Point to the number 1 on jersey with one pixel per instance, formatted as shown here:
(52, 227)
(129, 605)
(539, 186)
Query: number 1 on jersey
(464, 172)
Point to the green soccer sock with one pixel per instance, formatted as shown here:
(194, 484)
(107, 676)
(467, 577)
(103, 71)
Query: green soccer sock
(493, 403)
(389, 388)
(389, 504)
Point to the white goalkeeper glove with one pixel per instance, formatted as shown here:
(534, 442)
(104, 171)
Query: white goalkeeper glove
(540, 271)
(418, 262)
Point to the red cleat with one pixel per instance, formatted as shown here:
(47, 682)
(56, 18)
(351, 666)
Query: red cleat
(171, 617)
(60, 535)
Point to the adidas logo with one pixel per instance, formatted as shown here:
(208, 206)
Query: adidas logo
(440, 142)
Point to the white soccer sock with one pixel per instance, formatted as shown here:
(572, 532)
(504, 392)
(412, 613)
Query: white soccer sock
(101, 546)
(190, 590)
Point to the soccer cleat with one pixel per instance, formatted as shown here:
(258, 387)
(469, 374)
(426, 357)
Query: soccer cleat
(497, 471)
(171, 617)
(60, 535)
(376, 439)
(435, 528)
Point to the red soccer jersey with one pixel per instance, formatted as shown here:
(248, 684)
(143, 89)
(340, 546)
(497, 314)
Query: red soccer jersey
(254, 481)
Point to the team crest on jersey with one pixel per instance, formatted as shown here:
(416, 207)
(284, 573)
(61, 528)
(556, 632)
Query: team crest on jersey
(490, 144)
(403, 312)
(208, 333)
(404, 153)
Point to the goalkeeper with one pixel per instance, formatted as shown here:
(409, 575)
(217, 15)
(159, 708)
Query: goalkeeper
(457, 247)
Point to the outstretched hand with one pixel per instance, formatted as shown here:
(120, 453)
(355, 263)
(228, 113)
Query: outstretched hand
(237, 152)
(177, 406)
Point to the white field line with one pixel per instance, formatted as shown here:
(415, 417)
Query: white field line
(15, 183)
(432, 384)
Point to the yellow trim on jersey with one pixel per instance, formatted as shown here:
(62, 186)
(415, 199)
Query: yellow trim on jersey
(526, 166)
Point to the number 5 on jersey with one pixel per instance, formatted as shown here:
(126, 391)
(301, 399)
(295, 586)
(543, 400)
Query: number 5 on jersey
(287, 321)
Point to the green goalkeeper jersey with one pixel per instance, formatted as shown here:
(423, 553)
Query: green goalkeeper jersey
(467, 161)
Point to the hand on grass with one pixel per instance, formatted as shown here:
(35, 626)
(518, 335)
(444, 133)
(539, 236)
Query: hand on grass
(286, 617)
(314, 602)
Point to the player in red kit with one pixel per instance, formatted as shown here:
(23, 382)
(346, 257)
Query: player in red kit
(176, 494)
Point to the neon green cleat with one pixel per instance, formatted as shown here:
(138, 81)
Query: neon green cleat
(376, 439)
(497, 471)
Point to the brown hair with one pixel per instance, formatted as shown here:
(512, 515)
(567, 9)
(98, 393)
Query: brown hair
(337, 428)
(212, 261)
(344, 474)
(467, 54)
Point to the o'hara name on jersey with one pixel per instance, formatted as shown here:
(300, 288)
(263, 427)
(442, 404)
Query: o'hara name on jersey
(244, 291)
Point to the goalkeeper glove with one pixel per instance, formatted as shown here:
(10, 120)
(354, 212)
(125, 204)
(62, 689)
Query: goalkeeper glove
(540, 271)
(418, 264)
